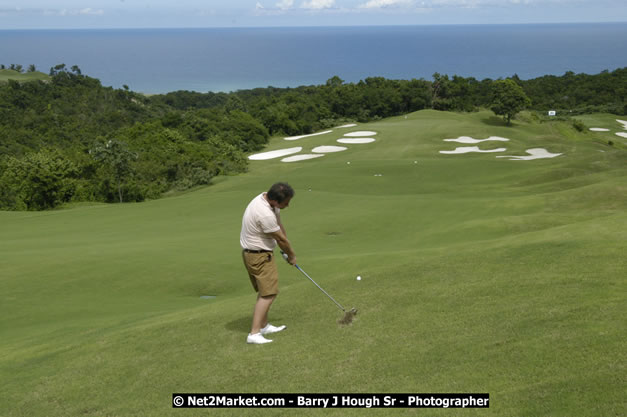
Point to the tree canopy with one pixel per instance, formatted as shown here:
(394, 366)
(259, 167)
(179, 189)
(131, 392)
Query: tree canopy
(508, 99)
(67, 138)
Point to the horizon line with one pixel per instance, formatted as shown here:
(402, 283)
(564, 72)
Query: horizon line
(318, 26)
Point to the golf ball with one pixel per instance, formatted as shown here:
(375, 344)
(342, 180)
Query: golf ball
(358, 277)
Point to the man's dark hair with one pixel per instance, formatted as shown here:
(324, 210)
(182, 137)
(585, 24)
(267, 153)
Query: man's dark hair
(280, 192)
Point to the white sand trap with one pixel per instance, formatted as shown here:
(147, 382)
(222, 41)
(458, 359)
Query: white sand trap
(302, 157)
(360, 133)
(621, 134)
(535, 153)
(468, 139)
(306, 136)
(356, 140)
(622, 122)
(466, 149)
(328, 149)
(348, 125)
(274, 154)
(599, 129)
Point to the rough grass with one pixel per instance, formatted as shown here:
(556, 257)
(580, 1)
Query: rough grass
(479, 275)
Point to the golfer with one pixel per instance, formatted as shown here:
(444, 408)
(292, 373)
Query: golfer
(261, 231)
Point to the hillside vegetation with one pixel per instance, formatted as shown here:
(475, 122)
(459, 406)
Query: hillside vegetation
(480, 275)
(68, 139)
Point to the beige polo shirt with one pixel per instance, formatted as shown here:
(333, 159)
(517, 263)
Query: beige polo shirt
(260, 218)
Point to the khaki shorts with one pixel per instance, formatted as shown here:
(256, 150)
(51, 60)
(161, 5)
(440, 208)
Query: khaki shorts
(262, 272)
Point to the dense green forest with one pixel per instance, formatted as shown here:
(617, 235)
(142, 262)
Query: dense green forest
(67, 138)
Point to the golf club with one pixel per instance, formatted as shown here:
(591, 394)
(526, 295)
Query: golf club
(348, 315)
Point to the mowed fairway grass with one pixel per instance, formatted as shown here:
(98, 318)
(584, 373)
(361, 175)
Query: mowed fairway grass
(480, 275)
(6, 74)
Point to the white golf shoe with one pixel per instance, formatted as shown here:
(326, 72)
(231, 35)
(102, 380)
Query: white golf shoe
(257, 339)
(269, 329)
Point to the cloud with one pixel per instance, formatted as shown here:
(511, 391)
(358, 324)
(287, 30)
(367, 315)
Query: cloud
(285, 4)
(259, 6)
(90, 11)
(378, 4)
(72, 12)
(432, 4)
(318, 4)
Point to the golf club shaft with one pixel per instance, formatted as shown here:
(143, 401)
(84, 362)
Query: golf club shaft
(320, 288)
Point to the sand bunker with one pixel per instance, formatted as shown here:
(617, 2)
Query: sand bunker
(466, 149)
(599, 129)
(301, 157)
(535, 153)
(622, 122)
(306, 136)
(274, 154)
(356, 140)
(328, 149)
(360, 133)
(348, 125)
(468, 139)
(621, 134)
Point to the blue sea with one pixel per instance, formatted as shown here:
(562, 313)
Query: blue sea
(229, 59)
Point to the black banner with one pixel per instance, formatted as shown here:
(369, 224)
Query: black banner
(330, 400)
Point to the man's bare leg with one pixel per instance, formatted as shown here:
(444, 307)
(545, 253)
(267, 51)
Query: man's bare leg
(260, 314)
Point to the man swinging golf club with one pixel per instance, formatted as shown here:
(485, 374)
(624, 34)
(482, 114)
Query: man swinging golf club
(261, 231)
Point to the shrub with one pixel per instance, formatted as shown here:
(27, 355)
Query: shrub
(38, 181)
(578, 125)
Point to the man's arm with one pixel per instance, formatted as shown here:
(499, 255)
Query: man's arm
(284, 244)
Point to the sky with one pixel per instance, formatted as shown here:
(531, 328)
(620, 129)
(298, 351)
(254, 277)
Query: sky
(86, 14)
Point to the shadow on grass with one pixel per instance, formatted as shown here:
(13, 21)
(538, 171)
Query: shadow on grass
(495, 121)
(241, 325)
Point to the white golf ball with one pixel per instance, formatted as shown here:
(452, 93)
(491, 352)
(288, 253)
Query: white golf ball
(358, 277)
(348, 163)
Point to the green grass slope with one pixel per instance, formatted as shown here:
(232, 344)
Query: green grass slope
(6, 74)
(480, 274)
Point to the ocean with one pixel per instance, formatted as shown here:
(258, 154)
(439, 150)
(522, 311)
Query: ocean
(228, 59)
